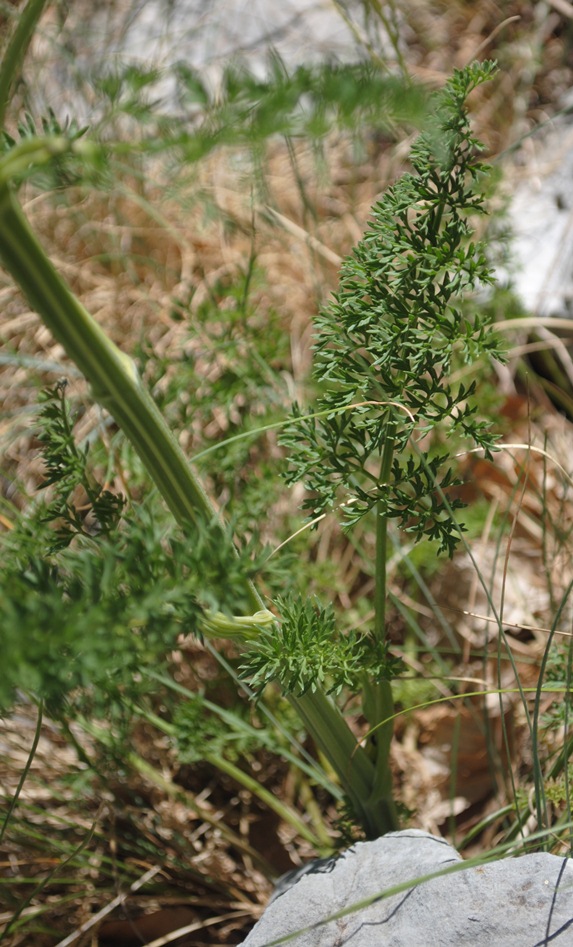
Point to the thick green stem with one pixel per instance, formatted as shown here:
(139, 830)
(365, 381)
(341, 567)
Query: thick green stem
(379, 707)
(352, 764)
(113, 376)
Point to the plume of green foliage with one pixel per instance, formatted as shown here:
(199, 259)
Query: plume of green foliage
(387, 343)
(382, 434)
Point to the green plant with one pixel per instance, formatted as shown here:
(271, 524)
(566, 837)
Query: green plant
(381, 436)
(385, 350)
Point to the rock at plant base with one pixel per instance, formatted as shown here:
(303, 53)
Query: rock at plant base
(516, 902)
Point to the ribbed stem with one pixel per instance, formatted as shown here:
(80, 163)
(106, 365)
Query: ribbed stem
(112, 375)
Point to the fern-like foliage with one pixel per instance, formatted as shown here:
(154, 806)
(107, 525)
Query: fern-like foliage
(28, 127)
(386, 345)
(65, 169)
(94, 588)
(307, 652)
(67, 466)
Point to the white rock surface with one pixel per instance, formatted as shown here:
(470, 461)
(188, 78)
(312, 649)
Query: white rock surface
(516, 902)
(541, 218)
(206, 35)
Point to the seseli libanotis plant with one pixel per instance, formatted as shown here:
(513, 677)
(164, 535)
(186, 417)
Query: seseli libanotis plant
(384, 350)
(383, 431)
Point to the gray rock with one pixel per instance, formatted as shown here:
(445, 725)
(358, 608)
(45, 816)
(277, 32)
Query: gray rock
(516, 902)
(207, 35)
